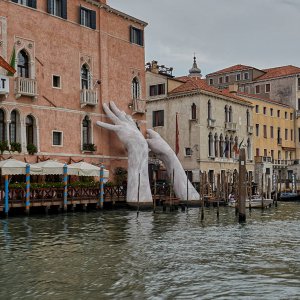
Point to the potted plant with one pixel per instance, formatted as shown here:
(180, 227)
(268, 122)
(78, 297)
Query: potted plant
(32, 149)
(89, 147)
(15, 147)
(3, 146)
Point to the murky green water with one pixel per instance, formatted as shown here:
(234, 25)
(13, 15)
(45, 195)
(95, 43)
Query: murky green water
(115, 255)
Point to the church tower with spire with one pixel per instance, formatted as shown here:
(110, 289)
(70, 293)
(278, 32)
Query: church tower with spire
(195, 71)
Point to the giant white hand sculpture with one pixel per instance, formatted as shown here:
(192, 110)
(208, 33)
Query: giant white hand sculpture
(137, 149)
(165, 153)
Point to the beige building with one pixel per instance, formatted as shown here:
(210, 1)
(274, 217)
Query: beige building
(211, 122)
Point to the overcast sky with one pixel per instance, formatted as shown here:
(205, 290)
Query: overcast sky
(260, 33)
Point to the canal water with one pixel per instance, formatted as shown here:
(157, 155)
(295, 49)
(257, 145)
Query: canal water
(115, 255)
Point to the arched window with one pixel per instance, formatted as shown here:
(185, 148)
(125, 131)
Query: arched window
(194, 111)
(85, 77)
(2, 125)
(86, 131)
(248, 118)
(209, 115)
(216, 145)
(13, 127)
(23, 64)
(230, 146)
(210, 145)
(226, 150)
(135, 88)
(230, 114)
(221, 145)
(29, 130)
(226, 114)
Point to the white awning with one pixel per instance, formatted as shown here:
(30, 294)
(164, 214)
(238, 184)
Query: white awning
(83, 169)
(49, 167)
(15, 167)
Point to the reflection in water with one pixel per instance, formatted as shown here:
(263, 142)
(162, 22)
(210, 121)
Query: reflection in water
(114, 254)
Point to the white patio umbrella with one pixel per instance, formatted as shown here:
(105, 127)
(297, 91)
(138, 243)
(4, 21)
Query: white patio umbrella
(49, 167)
(15, 167)
(85, 169)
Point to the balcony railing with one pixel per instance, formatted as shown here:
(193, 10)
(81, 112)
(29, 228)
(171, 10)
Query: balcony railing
(283, 162)
(297, 113)
(211, 123)
(230, 126)
(25, 87)
(250, 129)
(88, 97)
(138, 106)
(263, 159)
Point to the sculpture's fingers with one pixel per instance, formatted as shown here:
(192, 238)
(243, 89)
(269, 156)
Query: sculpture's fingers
(111, 115)
(108, 126)
(120, 114)
(130, 120)
(152, 134)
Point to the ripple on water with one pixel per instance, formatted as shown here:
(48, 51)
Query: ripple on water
(112, 254)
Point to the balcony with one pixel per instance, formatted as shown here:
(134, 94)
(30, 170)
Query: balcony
(230, 126)
(297, 113)
(211, 123)
(250, 129)
(25, 87)
(282, 162)
(263, 159)
(88, 97)
(279, 141)
(138, 106)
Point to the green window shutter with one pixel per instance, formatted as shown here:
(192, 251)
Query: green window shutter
(64, 9)
(50, 6)
(93, 19)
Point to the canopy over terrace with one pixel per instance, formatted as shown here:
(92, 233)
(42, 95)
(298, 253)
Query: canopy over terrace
(83, 169)
(48, 167)
(16, 167)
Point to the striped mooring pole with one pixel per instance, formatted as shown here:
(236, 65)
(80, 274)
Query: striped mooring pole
(101, 194)
(27, 188)
(65, 187)
(6, 208)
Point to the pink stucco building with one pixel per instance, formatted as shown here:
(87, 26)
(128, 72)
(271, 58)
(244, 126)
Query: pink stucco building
(71, 56)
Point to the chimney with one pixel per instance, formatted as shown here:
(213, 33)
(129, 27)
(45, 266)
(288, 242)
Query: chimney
(233, 88)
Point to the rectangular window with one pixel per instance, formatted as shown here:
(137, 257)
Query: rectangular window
(29, 3)
(226, 78)
(268, 88)
(298, 103)
(265, 131)
(292, 134)
(298, 83)
(257, 109)
(257, 89)
(158, 118)
(57, 8)
(299, 135)
(257, 151)
(285, 115)
(272, 154)
(158, 89)
(278, 113)
(87, 17)
(188, 151)
(271, 112)
(265, 110)
(57, 138)
(220, 79)
(272, 132)
(265, 152)
(136, 36)
(56, 82)
(246, 76)
(257, 129)
(286, 133)
(211, 81)
(291, 116)
(238, 77)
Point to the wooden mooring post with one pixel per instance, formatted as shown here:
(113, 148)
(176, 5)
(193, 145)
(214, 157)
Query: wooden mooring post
(242, 186)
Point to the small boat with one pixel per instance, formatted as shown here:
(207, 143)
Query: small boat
(255, 202)
(288, 196)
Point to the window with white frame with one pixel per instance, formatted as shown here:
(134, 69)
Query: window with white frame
(238, 77)
(30, 3)
(87, 17)
(135, 88)
(57, 138)
(188, 151)
(57, 8)
(56, 81)
(246, 76)
(85, 77)
(136, 36)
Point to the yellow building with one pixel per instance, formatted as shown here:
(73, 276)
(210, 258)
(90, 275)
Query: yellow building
(274, 145)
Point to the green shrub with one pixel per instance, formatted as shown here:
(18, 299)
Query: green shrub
(3, 146)
(89, 147)
(15, 147)
(32, 149)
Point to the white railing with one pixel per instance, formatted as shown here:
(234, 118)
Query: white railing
(297, 113)
(283, 162)
(25, 87)
(230, 126)
(139, 106)
(88, 97)
(211, 123)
